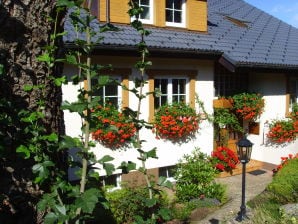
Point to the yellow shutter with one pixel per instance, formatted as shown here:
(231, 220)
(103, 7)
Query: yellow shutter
(159, 12)
(118, 11)
(196, 15)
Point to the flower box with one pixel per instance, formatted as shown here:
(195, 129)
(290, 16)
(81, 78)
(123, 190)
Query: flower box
(222, 103)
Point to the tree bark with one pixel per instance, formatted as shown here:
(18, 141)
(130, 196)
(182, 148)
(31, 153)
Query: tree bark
(24, 31)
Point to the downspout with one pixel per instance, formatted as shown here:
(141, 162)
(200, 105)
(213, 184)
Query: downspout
(108, 12)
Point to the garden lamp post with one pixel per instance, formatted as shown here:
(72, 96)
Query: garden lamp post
(244, 148)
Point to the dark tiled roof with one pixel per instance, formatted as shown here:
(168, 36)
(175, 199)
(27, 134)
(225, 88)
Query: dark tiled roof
(244, 34)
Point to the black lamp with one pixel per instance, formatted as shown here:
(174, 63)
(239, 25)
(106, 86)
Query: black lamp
(244, 148)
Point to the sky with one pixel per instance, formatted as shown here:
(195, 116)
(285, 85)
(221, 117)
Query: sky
(286, 10)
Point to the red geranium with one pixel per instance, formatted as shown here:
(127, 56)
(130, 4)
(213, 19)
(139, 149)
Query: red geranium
(248, 106)
(224, 159)
(175, 121)
(283, 131)
(113, 128)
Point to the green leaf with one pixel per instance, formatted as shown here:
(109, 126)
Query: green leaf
(50, 218)
(79, 107)
(23, 150)
(162, 181)
(151, 153)
(127, 167)
(1, 69)
(61, 209)
(68, 142)
(27, 88)
(53, 137)
(42, 170)
(88, 200)
(165, 213)
(71, 59)
(45, 58)
(109, 168)
(105, 159)
(65, 3)
(60, 81)
(150, 202)
(103, 80)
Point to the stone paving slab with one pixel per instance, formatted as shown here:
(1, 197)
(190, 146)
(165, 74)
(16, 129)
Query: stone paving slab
(256, 183)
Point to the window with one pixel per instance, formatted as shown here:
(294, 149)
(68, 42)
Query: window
(147, 14)
(292, 96)
(173, 86)
(168, 172)
(113, 92)
(175, 13)
(228, 83)
(110, 93)
(171, 90)
(112, 180)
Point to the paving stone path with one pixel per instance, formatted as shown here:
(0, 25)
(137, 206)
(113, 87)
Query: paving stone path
(256, 182)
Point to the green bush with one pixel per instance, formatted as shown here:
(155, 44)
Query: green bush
(284, 185)
(128, 203)
(195, 178)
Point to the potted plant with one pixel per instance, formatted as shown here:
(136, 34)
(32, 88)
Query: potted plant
(113, 129)
(225, 120)
(175, 121)
(224, 159)
(282, 131)
(249, 106)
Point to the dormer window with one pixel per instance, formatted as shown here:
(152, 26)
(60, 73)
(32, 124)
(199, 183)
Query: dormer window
(175, 13)
(147, 14)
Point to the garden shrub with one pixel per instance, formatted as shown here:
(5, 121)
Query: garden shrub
(195, 178)
(128, 203)
(284, 185)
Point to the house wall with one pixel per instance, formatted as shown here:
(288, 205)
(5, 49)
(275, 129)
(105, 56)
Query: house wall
(196, 13)
(273, 88)
(167, 152)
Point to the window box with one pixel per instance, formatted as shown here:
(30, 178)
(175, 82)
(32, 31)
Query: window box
(222, 103)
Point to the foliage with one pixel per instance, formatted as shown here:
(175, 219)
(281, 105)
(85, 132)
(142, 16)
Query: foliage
(224, 159)
(129, 203)
(225, 117)
(175, 121)
(113, 129)
(294, 112)
(283, 131)
(195, 178)
(248, 106)
(284, 185)
(284, 161)
(282, 190)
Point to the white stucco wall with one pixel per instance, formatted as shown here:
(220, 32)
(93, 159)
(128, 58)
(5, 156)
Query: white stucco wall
(167, 152)
(273, 88)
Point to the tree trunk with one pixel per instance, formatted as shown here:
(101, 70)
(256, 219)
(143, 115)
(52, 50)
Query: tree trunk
(24, 31)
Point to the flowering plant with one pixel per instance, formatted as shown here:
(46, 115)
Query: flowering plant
(249, 106)
(224, 159)
(113, 129)
(282, 131)
(175, 121)
(284, 161)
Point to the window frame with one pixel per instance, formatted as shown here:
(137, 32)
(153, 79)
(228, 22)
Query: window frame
(122, 74)
(170, 95)
(183, 16)
(291, 94)
(151, 14)
(155, 73)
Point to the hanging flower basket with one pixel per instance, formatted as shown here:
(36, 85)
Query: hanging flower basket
(113, 129)
(248, 106)
(175, 122)
(224, 159)
(283, 131)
